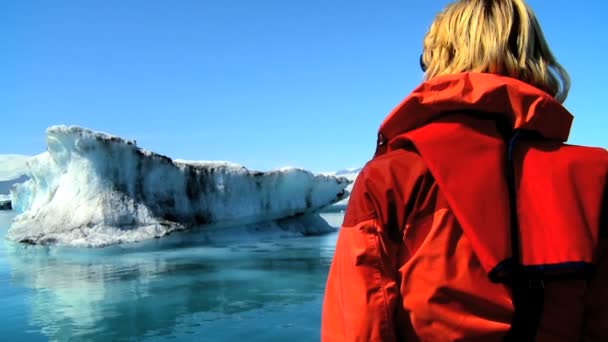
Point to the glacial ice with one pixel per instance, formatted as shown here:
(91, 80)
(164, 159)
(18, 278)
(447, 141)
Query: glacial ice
(94, 189)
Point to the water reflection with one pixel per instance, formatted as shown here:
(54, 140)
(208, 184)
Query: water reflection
(144, 291)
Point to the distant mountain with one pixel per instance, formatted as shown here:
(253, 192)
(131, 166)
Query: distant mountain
(346, 172)
(5, 187)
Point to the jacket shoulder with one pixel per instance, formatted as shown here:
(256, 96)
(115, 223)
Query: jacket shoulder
(391, 168)
(385, 181)
(397, 158)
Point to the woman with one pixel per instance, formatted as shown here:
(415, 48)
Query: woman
(474, 221)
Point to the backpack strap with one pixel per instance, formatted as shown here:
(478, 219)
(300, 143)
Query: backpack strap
(527, 288)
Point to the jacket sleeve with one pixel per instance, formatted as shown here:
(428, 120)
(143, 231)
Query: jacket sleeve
(362, 294)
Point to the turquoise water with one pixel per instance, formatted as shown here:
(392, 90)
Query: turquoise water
(188, 287)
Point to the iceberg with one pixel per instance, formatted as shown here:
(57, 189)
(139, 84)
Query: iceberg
(94, 189)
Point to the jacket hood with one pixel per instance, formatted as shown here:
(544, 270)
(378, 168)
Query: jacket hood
(520, 104)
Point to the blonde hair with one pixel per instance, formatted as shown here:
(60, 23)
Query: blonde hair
(493, 36)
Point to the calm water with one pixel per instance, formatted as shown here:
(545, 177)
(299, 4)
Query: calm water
(258, 288)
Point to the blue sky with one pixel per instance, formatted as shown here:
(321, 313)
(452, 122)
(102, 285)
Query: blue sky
(264, 83)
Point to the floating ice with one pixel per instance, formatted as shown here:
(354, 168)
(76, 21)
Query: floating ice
(95, 189)
(5, 202)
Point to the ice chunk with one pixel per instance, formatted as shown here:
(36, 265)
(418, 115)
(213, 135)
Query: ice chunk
(95, 189)
(5, 202)
(350, 174)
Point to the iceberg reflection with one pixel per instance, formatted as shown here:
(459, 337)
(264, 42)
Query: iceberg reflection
(151, 289)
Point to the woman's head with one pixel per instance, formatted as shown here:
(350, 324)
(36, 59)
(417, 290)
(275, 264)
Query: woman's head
(493, 36)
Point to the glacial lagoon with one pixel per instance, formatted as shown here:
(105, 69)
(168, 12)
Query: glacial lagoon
(186, 287)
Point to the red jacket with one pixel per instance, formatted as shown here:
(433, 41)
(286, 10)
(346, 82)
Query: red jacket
(428, 220)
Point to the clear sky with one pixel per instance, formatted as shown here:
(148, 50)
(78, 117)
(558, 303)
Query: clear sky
(264, 83)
